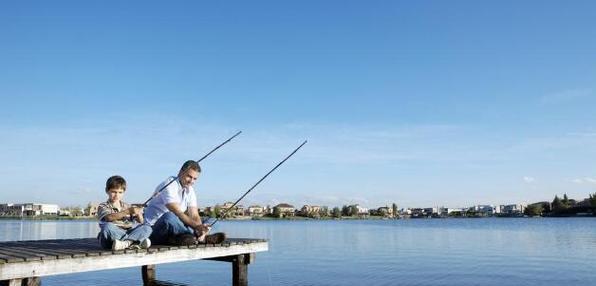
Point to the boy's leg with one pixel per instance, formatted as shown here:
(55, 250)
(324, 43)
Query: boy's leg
(138, 233)
(168, 226)
(108, 233)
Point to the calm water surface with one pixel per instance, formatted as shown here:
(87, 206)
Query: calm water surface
(539, 251)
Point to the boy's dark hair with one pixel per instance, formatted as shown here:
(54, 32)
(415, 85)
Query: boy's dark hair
(190, 164)
(115, 182)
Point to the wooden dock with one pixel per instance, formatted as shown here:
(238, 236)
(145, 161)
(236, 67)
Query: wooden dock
(25, 262)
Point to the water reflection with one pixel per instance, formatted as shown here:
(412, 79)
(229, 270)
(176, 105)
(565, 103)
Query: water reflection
(409, 252)
(11, 230)
(165, 283)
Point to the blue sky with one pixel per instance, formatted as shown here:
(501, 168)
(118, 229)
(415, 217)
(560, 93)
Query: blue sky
(420, 103)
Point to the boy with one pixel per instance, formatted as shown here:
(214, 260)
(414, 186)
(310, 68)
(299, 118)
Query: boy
(117, 220)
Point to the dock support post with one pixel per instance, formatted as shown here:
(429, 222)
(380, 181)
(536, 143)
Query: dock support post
(12, 282)
(239, 272)
(32, 281)
(240, 269)
(148, 272)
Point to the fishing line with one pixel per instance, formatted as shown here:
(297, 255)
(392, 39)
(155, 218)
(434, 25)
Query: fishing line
(257, 183)
(198, 161)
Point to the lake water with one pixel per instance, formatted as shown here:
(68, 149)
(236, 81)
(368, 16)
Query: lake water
(491, 251)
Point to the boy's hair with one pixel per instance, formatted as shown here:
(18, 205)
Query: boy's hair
(190, 164)
(115, 182)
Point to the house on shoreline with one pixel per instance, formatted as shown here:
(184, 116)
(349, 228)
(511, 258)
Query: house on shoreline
(28, 209)
(255, 211)
(283, 210)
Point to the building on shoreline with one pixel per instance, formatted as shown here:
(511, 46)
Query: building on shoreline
(91, 209)
(255, 211)
(310, 210)
(513, 209)
(28, 209)
(487, 210)
(283, 210)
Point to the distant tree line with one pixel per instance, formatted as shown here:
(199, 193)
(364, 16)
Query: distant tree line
(563, 207)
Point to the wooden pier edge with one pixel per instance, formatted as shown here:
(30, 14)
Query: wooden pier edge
(29, 270)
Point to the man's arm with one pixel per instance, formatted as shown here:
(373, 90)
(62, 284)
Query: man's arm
(193, 212)
(201, 232)
(189, 220)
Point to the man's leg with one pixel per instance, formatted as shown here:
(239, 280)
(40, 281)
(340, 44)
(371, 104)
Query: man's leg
(168, 226)
(108, 233)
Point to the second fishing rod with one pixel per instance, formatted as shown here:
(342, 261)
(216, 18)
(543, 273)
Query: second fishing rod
(255, 185)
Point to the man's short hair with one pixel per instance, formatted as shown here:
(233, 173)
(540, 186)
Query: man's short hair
(190, 164)
(115, 182)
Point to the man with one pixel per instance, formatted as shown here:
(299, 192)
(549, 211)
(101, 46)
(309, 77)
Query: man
(173, 213)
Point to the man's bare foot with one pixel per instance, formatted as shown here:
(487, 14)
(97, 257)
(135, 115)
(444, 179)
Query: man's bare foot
(215, 238)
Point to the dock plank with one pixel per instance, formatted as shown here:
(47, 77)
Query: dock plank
(48, 251)
(64, 249)
(22, 252)
(18, 254)
(10, 259)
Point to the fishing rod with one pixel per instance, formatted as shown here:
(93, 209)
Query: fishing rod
(198, 161)
(257, 183)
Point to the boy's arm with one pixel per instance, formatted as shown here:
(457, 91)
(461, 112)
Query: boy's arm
(137, 213)
(119, 215)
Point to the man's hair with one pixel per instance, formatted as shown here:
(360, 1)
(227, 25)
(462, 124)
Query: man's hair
(115, 182)
(190, 164)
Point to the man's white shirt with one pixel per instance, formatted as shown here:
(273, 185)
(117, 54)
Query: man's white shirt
(174, 193)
